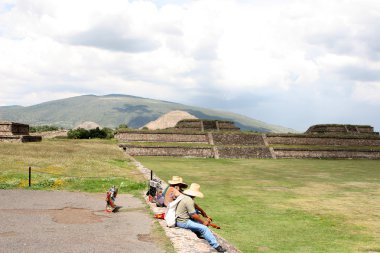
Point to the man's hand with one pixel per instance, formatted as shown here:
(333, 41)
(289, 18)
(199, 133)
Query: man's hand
(197, 218)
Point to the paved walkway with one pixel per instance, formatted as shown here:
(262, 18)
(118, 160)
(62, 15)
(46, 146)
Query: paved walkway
(59, 221)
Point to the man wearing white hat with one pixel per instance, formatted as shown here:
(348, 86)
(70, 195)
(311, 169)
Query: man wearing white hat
(188, 218)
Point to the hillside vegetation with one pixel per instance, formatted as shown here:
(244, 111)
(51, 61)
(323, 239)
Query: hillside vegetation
(113, 110)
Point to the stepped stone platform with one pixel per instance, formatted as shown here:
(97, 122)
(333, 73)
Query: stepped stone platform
(16, 132)
(206, 125)
(341, 129)
(183, 240)
(319, 141)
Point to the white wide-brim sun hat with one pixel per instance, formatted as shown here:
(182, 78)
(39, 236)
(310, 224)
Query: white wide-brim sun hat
(194, 191)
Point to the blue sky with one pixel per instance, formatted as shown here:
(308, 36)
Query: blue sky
(290, 62)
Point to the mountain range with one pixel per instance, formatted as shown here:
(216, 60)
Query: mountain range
(115, 109)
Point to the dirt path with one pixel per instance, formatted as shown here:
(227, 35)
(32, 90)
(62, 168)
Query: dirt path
(58, 221)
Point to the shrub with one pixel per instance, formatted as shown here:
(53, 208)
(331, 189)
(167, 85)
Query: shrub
(109, 132)
(97, 133)
(44, 128)
(81, 133)
(123, 126)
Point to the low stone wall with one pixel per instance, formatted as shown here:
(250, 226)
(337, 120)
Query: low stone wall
(51, 134)
(20, 138)
(237, 139)
(228, 126)
(195, 124)
(328, 140)
(222, 152)
(338, 128)
(244, 152)
(365, 129)
(335, 154)
(161, 137)
(168, 151)
(12, 128)
(206, 125)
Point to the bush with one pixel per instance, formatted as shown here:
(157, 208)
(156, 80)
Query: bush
(109, 132)
(123, 126)
(44, 128)
(81, 133)
(97, 133)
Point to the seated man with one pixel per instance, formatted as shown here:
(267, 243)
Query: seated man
(176, 186)
(188, 218)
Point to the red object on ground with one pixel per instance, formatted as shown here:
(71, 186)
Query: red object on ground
(159, 216)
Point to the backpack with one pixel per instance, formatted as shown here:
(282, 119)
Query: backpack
(170, 216)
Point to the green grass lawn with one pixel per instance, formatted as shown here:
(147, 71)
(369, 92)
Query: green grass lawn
(286, 205)
(78, 165)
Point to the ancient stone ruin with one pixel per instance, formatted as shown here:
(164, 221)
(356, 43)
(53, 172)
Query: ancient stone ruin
(189, 139)
(16, 132)
(206, 125)
(341, 129)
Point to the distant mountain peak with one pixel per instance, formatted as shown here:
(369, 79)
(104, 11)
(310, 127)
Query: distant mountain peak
(113, 110)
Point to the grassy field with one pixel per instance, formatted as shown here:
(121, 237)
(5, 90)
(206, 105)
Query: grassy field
(286, 205)
(79, 165)
(262, 205)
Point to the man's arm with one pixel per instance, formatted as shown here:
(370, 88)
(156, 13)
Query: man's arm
(204, 214)
(198, 218)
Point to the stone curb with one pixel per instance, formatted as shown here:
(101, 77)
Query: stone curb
(183, 240)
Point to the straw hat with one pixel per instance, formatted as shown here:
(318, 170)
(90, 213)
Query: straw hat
(177, 180)
(194, 191)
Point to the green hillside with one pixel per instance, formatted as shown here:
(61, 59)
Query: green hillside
(113, 110)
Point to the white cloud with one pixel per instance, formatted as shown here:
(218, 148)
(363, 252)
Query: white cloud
(368, 92)
(188, 50)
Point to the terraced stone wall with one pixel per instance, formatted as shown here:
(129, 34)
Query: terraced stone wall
(16, 132)
(161, 137)
(326, 140)
(218, 152)
(341, 129)
(325, 154)
(11, 128)
(206, 125)
(227, 126)
(237, 139)
(196, 124)
(168, 151)
(244, 152)
(247, 145)
(20, 138)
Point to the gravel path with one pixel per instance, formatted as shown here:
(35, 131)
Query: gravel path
(59, 221)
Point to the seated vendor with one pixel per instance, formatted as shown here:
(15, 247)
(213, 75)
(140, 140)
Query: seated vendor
(175, 188)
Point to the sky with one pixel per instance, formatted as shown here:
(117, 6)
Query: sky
(294, 63)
